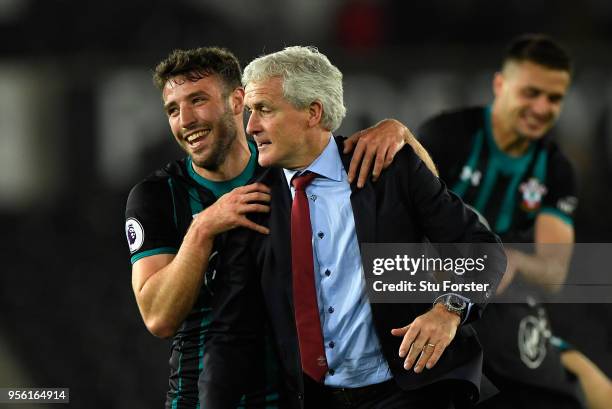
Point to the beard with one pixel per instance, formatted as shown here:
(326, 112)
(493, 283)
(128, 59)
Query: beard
(226, 133)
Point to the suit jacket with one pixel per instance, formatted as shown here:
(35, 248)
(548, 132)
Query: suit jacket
(408, 204)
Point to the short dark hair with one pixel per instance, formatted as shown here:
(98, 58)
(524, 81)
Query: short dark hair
(540, 49)
(197, 63)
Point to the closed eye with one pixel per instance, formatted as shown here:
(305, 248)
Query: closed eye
(531, 92)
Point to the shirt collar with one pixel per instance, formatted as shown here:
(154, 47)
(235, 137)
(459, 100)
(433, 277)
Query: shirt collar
(327, 164)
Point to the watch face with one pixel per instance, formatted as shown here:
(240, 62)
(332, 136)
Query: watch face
(457, 303)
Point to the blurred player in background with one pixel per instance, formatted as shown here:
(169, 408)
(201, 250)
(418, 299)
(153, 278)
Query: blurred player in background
(503, 160)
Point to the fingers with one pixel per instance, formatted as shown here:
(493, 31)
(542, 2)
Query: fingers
(426, 339)
(255, 197)
(255, 208)
(254, 226)
(414, 352)
(391, 152)
(435, 355)
(229, 211)
(364, 172)
(355, 160)
(253, 187)
(349, 143)
(399, 332)
(381, 162)
(381, 153)
(426, 353)
(408, 340)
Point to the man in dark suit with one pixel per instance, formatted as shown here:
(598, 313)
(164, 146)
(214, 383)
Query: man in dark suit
(338, 350)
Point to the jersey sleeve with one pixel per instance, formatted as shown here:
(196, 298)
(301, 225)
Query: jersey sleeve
(561, 200)
(150, 220)
(448, 139)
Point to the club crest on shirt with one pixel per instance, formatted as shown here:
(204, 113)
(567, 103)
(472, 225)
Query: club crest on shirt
(532, 337)
(134, 233)
(533, 192)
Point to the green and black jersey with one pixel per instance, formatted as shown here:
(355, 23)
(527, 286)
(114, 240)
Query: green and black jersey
(509, 192)
(158, 213)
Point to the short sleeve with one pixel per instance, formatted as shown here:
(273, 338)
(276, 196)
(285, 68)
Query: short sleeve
(448, 138)
(150, 220)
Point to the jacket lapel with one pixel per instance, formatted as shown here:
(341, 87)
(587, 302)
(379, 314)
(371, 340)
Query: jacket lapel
(363, 202)
(280, 226)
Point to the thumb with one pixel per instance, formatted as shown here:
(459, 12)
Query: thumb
(399, 332)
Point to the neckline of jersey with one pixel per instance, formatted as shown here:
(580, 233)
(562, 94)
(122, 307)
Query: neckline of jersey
(509, 164)
(220, 188)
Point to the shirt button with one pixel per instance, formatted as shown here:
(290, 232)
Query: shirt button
(320, 234)
(331, 372)
(327, 273)
(330, 310)
(313, 197)
(332, 344)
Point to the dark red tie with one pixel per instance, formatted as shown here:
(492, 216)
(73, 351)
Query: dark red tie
(307, 320)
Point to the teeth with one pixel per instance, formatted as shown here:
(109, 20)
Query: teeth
(196, 135)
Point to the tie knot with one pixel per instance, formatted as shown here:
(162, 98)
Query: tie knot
(300, 182)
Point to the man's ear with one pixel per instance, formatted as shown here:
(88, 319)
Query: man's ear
(498, 83)
(236, 100)
(315, 114)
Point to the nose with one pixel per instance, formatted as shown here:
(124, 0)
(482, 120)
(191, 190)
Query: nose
(187, 117)
(542, 105)
(253, 125)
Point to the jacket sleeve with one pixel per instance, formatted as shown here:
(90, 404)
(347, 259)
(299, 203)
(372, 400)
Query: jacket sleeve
(445, 219)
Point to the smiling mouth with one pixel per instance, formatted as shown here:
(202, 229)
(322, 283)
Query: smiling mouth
(195, 137)
(535, 121)
(261, 144)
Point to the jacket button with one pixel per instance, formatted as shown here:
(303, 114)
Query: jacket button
(300, 396)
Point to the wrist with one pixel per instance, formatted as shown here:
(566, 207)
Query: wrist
(199, 233)
(454, 316)
(454, 304)
(204, 224)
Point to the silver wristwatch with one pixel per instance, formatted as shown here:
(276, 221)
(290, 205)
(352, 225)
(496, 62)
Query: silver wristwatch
(453, 303)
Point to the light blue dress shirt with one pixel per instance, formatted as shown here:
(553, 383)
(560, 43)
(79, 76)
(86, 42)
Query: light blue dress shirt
(352, 347)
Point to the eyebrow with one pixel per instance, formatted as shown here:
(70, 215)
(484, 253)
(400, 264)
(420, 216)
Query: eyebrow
(541, 91)
(189, 96)
(260, 104)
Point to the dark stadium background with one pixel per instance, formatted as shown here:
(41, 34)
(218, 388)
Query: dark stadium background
(81, 123)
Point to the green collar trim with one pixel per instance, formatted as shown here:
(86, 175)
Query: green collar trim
(221, 188)
(505, 163)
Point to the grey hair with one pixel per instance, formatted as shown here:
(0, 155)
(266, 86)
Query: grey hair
(308, 76)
